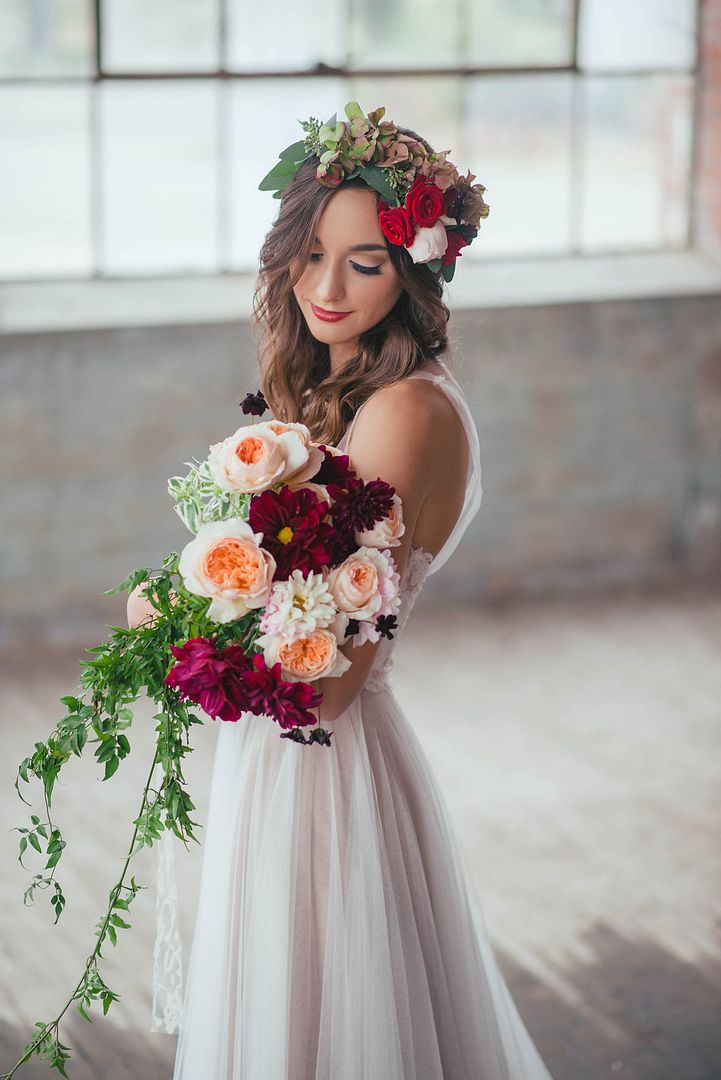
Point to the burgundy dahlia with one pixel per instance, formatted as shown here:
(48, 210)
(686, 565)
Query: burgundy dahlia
(359, 505)
(293, 528)
(334, 469)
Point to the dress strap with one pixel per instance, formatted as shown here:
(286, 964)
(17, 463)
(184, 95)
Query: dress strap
(474, 490)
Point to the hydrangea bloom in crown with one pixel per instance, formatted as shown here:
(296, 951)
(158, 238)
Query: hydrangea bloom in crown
(425, 204)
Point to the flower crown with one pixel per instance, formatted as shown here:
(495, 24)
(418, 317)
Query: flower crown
(425, 203)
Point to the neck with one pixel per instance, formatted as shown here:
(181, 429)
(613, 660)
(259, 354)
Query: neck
(340, 355)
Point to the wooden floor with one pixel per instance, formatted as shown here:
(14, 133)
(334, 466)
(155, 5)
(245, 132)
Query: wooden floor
(579, 747)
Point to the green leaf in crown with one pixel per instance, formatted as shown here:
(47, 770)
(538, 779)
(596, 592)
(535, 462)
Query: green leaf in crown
(378, 179)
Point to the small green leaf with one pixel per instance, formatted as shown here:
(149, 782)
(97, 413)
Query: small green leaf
(295, 152)
(134, 578)
(281, 172)
(377, 179)
(111, 767)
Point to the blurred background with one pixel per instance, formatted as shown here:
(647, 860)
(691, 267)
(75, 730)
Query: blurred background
(581, 686)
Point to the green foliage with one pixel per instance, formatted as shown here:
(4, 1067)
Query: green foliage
(130, 662)
(198, 499)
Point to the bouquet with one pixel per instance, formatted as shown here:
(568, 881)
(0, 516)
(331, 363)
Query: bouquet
(290, 560)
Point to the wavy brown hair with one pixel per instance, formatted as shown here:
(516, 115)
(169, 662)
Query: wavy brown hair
(295, 367)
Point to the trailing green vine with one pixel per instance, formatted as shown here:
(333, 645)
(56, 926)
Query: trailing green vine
(180, 656)
(132, 660)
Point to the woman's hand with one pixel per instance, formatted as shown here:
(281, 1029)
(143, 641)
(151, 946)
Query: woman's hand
(139, 608)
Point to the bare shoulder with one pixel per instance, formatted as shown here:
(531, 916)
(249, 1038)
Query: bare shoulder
(409, 434)
(415, 413)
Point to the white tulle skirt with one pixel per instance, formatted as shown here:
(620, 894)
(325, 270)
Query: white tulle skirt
(338, 935)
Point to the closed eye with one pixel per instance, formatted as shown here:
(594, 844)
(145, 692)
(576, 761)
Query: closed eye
(356, 266)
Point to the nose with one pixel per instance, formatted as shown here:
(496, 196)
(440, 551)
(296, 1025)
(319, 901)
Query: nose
(329, 287)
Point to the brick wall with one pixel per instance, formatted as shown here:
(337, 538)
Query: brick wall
(599, 427)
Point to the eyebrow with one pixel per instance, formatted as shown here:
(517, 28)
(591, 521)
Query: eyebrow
(360, 247)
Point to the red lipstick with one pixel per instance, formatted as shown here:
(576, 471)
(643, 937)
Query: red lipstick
(329, 316)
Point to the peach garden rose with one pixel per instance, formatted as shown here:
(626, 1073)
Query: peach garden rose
(226, 562)
(255, 458)
(316, 656)
(365, 586)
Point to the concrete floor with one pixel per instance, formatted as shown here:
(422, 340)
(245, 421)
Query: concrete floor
(580, 757)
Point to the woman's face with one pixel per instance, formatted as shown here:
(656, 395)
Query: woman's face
(338, 278)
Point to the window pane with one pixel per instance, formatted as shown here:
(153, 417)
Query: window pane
(404, 34)
(636, 161)
(159, 176)
(46, 37)
(45, 226)
(167, 35)
(428, 104)
(617, 35)
(516, 138)
(285, 35)
(519, 32)
(260, 125)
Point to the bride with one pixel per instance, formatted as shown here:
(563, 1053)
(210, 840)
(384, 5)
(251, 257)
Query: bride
(338, 935)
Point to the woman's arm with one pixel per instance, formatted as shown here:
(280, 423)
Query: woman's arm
(396, 438)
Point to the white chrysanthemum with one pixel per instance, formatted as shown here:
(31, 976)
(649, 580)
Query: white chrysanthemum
(298, 606)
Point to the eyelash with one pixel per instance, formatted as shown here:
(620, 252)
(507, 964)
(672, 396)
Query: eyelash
(356, 266)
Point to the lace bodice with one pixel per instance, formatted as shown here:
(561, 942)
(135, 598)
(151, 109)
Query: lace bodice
(414, 574)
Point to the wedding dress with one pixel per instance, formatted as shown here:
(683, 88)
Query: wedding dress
(338, 935)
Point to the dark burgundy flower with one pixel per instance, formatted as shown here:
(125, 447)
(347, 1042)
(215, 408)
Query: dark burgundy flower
(293, 528)
(458, 238)
(334, 469)
(320, 735)
(289, 703)
(295, 734)
(385, 624)
(452, 198)
(255, 404)
(359, 505)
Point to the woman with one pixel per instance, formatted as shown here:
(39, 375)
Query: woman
(338, 936)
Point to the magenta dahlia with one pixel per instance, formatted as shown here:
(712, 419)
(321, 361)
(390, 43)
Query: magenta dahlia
(287, 702)
(212, 679)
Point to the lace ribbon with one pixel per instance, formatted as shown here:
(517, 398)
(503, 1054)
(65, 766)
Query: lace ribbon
(167, 953)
